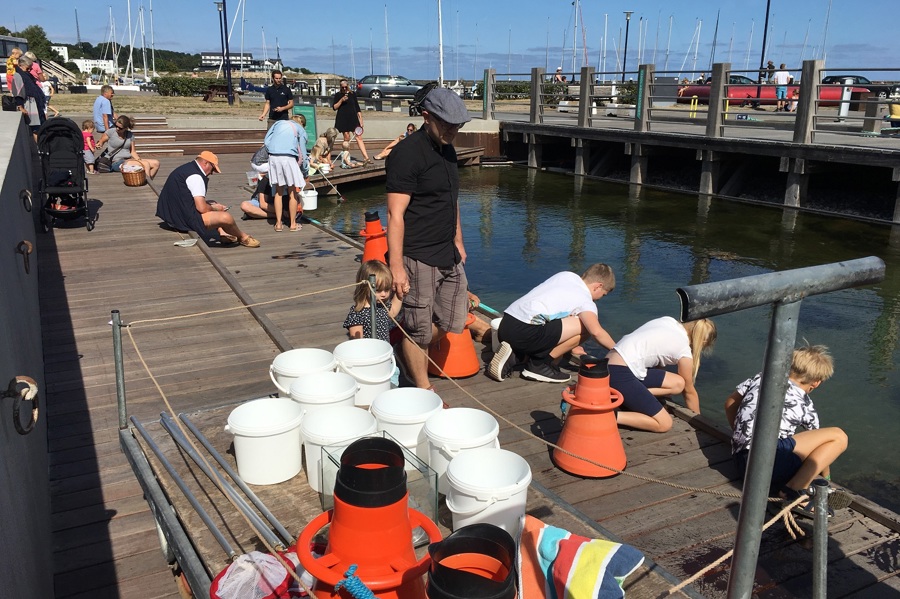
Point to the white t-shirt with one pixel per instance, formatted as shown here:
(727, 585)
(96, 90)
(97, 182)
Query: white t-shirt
(563, 294)
(782, 77)
(660, 342)
(196, 185)
(46, 86)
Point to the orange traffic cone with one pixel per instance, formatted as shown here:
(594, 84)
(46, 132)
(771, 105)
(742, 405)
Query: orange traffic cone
(376, 239)
(590, 429)
(371, 528)
(455, 354)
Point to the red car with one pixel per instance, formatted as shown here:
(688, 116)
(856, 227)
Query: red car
(742, 89)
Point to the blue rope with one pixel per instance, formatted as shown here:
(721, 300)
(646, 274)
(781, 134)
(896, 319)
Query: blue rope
(354, 585)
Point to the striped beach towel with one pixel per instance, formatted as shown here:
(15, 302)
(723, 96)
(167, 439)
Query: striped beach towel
(557, 564)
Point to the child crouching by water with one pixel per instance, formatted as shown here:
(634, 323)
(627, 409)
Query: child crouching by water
(359, 319)
(800, 457)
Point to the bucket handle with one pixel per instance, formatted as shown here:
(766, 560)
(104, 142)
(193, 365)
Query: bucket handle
(491, 500)
(450, 452)
(272, 376)
(364, 379)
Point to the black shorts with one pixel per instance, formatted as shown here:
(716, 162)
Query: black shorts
(535, 341)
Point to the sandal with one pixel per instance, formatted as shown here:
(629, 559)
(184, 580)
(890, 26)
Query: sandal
(296, 227)
(806, 510)
(279, 228)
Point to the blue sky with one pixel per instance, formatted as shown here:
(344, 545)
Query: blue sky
(507, 35)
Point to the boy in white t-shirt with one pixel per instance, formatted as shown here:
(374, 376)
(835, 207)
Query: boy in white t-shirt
(47, 87)
(551, 320)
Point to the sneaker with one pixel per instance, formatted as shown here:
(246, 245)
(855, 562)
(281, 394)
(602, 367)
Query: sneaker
(544, 372)
(502, 363)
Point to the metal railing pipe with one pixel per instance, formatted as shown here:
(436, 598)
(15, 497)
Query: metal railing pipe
(722, 297)
(820, 489)
(120, 369)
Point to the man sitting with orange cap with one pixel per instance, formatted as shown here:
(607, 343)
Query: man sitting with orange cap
(183, 205)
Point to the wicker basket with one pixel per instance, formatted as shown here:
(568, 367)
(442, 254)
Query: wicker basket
(134, 178)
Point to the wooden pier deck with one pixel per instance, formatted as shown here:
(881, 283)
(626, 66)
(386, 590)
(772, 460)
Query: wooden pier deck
(105, 542)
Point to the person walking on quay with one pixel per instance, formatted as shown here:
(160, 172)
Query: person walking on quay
(183, 205)
(279, 100)
(349, 117)
(286, 144)
(782, 79)
(425, 242)
(104, 115)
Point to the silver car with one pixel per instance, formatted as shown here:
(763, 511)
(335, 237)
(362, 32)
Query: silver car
(386, 86)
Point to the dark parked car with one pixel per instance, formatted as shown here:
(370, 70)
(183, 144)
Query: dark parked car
(386, 86)
(882, 90)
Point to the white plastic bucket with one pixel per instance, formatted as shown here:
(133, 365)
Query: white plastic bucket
(252, 178)
(451, 432)
(331, 426)
(322, 389)
(290, 365)
(495, 338)
(403, 412)
(488, 486)
(309, 199)
(371, 362)
(266, 439)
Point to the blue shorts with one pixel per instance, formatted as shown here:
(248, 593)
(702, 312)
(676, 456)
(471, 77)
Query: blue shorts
(787, 463)
(254, 201)
(116, 166)
(636, 392)
(781, 92)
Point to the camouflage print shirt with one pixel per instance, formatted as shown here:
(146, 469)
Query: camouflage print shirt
(798, 411)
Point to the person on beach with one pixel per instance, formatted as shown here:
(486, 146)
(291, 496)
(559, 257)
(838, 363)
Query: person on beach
(782, 78)
(551, 320)
(183, 205)
(286, 144)
(90, 146)
(104, 114)
(349, 117)
(799, 457)
(410, 129)
(119, 145)
(279, 101)
(426, 252)
(320, 155)
(637, 369)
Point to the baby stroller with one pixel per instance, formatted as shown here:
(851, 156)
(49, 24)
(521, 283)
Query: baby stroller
(63, 187)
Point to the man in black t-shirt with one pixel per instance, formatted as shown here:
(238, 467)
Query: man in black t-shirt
(425, 242)
(279, 100)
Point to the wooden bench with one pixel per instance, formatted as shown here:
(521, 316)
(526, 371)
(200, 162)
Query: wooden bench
(219, 91)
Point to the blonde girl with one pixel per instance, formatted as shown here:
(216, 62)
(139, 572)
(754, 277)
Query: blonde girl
(636, 369)
(359, 321)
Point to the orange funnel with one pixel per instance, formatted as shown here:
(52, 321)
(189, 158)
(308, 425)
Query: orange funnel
(477, 561)
(455, 354)
(590, 430)
(371, 527)
(376, 239)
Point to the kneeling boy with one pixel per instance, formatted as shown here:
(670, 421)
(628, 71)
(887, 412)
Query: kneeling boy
(799, 457)
(551, 320)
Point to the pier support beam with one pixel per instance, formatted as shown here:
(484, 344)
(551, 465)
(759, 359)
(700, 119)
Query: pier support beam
(797, 181)
(582, 155)
(709, 171)
(535, 151)
(604, 163)
(895, 176)
(638, 163)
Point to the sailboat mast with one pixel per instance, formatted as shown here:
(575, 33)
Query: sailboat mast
(243, 20)
(129, 70)
(731, 42)
(152, 41)
(575, 39)
(805, 39)
(825, 32)
(697, 47)
(440, 46)
(749, 46)
(712, 55)
(605, 42)
(143, 42)
(668, 44)
(387, 44)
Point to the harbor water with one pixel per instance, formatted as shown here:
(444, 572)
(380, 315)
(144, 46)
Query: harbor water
(521, 226)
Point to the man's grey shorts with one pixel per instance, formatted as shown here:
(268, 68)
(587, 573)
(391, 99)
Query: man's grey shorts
(436, 295)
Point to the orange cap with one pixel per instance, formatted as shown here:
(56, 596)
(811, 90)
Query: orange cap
(211, 158)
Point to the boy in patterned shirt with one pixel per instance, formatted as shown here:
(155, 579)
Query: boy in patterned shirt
(799, 457)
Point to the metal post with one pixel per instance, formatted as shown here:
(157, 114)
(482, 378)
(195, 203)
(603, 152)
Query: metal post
(373, 302)
(120, 369)
(227, 55)
(785, 290)
(628, 14)
(820, 538)
(776, 368)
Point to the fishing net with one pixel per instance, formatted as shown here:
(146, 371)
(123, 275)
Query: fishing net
(254, 575)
